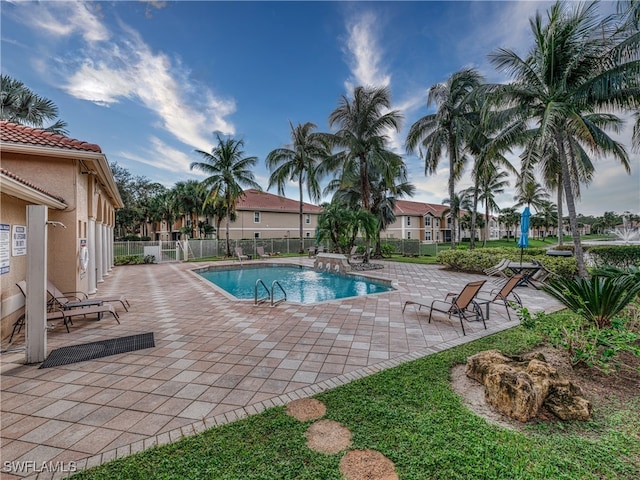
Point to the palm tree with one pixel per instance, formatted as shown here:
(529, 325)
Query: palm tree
(362, 122)
(229, 170)
(18, 104)
(189, 197)
(549, 213)
(530, 193)
(509, 217)
(299, 162)
(448, 129)
(461, 201)
(492, 181)
(559, 86)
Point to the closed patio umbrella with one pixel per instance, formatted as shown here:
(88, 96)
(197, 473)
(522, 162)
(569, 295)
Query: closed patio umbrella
(523, 241)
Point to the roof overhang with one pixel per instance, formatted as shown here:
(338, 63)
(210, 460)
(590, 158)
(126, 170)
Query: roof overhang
(96, 162)
(15, 188)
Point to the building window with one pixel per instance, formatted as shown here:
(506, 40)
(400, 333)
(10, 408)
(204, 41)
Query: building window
(256, 217)
(408, 221)
(307, 218)
(409, 235)
(427, 235)
(427, 221)
(308, 235)
(437, 220)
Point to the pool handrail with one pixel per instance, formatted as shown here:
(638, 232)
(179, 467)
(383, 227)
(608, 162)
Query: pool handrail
(256, 301)
(273, 287)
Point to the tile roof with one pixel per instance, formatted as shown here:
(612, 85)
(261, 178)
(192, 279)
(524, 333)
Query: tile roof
(405, 207)
(27, 183)
(14, 133)
(256, 200)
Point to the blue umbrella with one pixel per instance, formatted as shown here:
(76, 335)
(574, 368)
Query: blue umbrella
(523, 241)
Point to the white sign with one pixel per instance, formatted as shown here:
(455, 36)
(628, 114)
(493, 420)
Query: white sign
(4, 248)
(19, 240)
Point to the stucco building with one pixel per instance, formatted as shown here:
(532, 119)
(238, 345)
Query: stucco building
(73, 180)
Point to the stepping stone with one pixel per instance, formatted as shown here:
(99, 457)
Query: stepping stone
(328, 436)
(367, 465)
(306, 409)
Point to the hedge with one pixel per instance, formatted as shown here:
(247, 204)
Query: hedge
(621, 256)
(479, 259)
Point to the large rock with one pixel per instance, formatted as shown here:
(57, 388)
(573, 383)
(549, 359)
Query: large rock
(519, 386)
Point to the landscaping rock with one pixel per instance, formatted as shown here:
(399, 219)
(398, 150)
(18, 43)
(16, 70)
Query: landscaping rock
(519, 386)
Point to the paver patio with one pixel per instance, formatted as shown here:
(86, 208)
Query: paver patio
(215, 360)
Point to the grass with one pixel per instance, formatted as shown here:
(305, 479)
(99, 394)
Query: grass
(411, 415)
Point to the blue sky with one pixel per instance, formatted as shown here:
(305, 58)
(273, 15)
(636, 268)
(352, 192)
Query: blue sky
(151, 81)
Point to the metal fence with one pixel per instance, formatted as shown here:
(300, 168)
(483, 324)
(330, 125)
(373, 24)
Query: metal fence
(172, 251)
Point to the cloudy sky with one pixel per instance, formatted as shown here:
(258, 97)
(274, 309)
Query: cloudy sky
(152, 81)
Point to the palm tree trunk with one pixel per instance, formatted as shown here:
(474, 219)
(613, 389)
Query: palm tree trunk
(301, 249)
(474, 217)
(452, 158)
(227, 222)
(560, 224)
(571, 207)
(486, 226)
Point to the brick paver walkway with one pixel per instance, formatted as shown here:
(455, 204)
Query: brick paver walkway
(215, 360)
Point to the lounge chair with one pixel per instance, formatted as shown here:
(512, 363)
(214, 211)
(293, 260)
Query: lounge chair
(67, 300)
(456, 303)
(502, 295)
(241, 256)
(498, 270)
(260, 252)
(70, 311)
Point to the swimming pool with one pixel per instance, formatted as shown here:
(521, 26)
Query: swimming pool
(303, 285)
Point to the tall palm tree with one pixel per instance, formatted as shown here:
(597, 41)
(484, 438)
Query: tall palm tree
(509, 217)
(18, 104)
(461, 201)
(530, 193)
(229, 171)
(362, 122)
(300, 162)
(561, 84)
(189, 197)
(492, 182)
(448, 129)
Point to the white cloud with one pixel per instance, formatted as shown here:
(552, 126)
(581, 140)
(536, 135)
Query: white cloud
(63, 19)
(364, 54)
(160, 155)
(126, 68)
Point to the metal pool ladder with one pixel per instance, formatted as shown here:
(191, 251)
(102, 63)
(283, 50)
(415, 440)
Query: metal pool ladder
(270, 293)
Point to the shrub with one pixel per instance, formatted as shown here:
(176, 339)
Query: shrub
(129, 260)
(387, 249)
(597, 299)
(479, 259)
(621, 256)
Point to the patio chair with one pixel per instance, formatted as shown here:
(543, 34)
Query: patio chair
(260, 252)
(456, 303)
(65, 314)
(498, 270)
(503, 294)
(67, 300)
(241, 256)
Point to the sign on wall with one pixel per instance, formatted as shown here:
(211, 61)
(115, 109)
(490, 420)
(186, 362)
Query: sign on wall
(5, 241)
(19, 240)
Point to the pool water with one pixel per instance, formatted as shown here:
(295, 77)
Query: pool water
(303, 285)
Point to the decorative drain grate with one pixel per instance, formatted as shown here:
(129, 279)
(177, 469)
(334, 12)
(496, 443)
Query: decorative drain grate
(93, 350)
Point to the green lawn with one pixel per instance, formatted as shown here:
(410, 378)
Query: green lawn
(411, 415)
